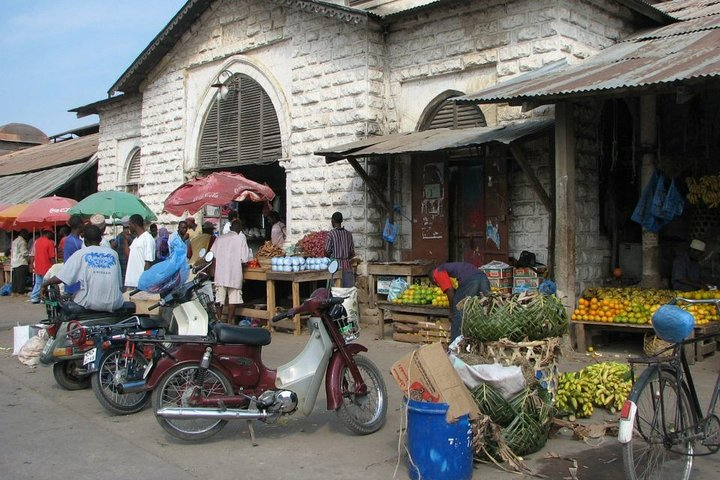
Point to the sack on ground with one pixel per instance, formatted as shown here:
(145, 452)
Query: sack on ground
(507, 380)
(29, 354)
(350, 302)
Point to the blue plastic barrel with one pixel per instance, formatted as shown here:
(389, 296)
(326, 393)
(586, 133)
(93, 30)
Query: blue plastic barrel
(438, 450)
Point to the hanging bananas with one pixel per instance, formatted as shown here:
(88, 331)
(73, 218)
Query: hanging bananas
(605, 385)
(704, 190)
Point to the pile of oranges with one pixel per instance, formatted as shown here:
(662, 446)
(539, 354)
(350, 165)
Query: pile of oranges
(596, 310)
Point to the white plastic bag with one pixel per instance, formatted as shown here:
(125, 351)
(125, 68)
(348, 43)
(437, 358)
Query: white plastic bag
(397, 287)
(506, 380)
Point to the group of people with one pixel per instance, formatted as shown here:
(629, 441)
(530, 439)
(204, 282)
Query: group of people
(96, 268)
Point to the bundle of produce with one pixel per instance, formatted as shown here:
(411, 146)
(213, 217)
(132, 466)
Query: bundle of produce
(620, 305)
(521, 424)
(704, 191)
(527, 316)
(312, 244)
(419, 294)
(268, 249)
(605, 384)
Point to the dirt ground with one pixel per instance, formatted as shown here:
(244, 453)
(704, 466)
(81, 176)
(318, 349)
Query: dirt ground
(47, 432)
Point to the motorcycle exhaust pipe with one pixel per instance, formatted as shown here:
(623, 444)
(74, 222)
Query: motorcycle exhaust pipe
(131, 387)
(211, 413)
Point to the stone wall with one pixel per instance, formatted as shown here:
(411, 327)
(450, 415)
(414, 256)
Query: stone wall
(119, 135)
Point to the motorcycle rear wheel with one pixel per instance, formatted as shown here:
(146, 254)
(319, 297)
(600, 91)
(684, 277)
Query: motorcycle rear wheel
(363, 414)
(65, 375)
(172, 391)
(113, 370)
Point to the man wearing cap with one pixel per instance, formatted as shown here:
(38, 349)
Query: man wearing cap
(97, 270)
(471, 282)
(202, 240)
(44, 258)
(98, 220)
(339, 245)
(686, 269)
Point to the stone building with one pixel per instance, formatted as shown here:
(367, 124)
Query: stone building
(259, 86)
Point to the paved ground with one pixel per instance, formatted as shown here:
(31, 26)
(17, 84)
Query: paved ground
(47, 432)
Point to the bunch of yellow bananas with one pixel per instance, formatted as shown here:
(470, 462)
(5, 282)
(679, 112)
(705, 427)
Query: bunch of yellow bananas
(705, 190)
(604, 384)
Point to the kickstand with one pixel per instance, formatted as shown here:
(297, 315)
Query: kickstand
(252, 433)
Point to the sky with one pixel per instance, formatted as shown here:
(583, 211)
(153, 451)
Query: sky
(60, 54)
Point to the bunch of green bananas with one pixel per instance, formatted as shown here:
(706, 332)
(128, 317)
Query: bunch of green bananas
(605, 384)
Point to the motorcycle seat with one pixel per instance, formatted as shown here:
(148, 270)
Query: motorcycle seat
(151, 322)
(232, 334)
(72, 310)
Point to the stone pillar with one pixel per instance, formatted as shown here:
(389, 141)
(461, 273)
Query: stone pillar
(648, 146)
(565, 211)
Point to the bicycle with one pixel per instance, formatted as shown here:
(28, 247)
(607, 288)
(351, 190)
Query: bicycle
(662, 425)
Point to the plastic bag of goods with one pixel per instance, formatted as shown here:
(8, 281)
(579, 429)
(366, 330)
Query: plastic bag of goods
(396, 288)
(169, 273)
(672, 323)
(350, 301)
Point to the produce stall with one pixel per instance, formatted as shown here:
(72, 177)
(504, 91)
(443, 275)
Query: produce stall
(606, 310)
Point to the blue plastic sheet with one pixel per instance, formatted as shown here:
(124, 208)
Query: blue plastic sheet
(169, 273)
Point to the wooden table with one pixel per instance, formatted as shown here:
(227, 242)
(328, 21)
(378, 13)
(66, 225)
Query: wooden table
(424, 310)
(270, 277)
(695, 352)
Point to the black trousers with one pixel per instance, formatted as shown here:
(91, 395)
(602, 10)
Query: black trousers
(19, 277)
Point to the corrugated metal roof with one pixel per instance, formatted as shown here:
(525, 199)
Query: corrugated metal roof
(28, 186)
(435, 140)
(49, 155)
(687, 9)
(684, 53)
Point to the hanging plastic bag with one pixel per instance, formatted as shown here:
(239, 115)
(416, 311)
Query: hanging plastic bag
(169, 273)
(674, 204)
(658, 199)
(390, 231)
(397, 287)
(643, 210)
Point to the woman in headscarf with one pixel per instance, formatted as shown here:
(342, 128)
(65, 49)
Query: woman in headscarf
(162, 248)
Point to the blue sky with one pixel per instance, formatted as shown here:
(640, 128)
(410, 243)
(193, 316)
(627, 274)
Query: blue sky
(60, 54)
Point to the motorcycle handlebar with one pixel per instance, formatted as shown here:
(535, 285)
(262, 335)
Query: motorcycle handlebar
(282, 315)
(154, 306)
(133, 292)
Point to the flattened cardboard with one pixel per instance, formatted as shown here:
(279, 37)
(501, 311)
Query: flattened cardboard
(426, 374)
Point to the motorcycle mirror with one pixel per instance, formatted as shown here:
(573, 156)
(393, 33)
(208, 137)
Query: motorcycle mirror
(333, 267)
(209, 257)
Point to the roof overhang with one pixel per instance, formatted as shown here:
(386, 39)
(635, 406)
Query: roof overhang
(658, 61)
(442, 139)
(49, 155)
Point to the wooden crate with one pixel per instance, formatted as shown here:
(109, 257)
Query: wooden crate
(420, 328)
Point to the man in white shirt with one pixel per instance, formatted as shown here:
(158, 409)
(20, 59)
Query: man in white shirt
(97, 269)
(19, 262)
(142, 252)
(231, 251)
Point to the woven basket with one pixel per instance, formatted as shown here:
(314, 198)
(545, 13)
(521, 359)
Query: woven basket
(491, 403)
(527, 316)
(653, 345)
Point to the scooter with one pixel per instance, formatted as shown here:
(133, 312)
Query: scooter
(210, 380)
(60, 352)
(125, 354)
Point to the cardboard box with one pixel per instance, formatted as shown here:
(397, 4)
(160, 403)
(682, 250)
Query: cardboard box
(498, 272)
(501, 282)
(528, 272)
(426, 374)
(527, 282)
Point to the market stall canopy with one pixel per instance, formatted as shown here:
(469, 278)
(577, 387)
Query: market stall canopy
(435, 140)
(686, 53)
(9, 214)
(45, 212)
(113, 204)
(216, 189)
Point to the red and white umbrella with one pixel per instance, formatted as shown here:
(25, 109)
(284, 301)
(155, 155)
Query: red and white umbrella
(45, 212)
(217, 189)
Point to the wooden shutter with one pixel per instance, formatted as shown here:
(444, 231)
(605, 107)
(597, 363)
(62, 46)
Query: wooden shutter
(451, 115)
(241, 129)
(133, 172)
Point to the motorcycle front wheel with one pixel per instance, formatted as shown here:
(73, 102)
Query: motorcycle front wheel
(174, 391)
(115, 370)
(363, 414)
(65, 373)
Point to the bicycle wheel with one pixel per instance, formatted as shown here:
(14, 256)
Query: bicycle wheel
(656, 451)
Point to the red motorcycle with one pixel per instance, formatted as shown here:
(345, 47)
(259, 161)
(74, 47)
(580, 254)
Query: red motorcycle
(210, 380)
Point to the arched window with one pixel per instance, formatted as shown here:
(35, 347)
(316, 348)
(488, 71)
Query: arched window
(132, 176)
(442, 113)
(241, 128)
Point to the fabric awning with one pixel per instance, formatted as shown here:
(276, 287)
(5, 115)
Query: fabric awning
(25, 187)
(435, 140)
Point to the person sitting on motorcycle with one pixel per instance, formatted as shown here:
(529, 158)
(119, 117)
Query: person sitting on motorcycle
(97, 269)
